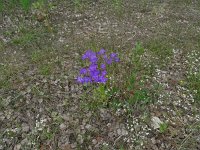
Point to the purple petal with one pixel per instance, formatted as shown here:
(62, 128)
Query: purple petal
(109, 61)
(103, 73)
(113, 55)
(94, 73)
(80, 80)
(93, 67)
(83, 71)
(87, 54)
(95, 78)
(102, 79)
(105, 57)
(87, 80)
(101, 52)
(103, 66)
(117, 59)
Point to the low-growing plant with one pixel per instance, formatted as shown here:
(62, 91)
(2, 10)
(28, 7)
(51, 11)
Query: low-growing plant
(45, 69)
(77, 4)
(96, 73)
(96, 68)
(194, 85)
(136, 86)
(163, 127)
(193, 74)
(25, 4)
(1, 6)
(160, 50)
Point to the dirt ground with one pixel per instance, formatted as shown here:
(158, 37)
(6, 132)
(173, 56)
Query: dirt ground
(43, 107)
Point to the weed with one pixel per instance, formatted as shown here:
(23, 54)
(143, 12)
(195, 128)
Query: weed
(77, 4)
(1, 46)
(45, 69)
(161, 50)
(117, 4)
(137, 90)
(194, 85)
(6, 73)
(163, 127)
(47, 134)
(1, 6)
(25, 39)
(25, 4)
(117, 7)
(193, 74)
(36, 56)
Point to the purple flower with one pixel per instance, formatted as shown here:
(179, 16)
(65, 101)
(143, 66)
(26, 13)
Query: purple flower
(117, 59)
(113, 55)
(93, 67)
(105, 57)
(80, 80)
(101, 52)
(109, 61)
(95, 78)
(87, 79)
(83, 71)
(87, 54)
(103, 66)
(93, 58)
(102, 79)
(94, 73)
(103, 73)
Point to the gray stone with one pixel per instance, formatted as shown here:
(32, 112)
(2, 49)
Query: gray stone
(63, 126)
(80, 139)
(88, 126)
(119, 131)
(24, 141)
(17, 147)
(124, 132)
(66, 117)
(25, 127)
(74, 145)
(94, 141)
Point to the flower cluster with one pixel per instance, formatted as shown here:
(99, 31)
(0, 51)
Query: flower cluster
(96, 71)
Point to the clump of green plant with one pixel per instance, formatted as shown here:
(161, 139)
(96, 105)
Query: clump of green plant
(161, 51)
(45, 69)
(193, 74)
(41, 10)
(136, 86)
(96, 73)
(117, 6)
(1, 6)
(25, 4)
(129, 90)
(77, 4)
(163, 127)
(194, 85)
(137, 91)
(25, 39)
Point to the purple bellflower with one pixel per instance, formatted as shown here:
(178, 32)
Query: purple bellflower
(93, 73)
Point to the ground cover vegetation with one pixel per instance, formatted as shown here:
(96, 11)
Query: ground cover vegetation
(98, 75)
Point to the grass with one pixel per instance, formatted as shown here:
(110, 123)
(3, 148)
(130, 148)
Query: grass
(160, 50)
(134, 89)
(25, 4)
(163, 127)
(134, 92)
(25, 39)
(45, 69)
(118, 6)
